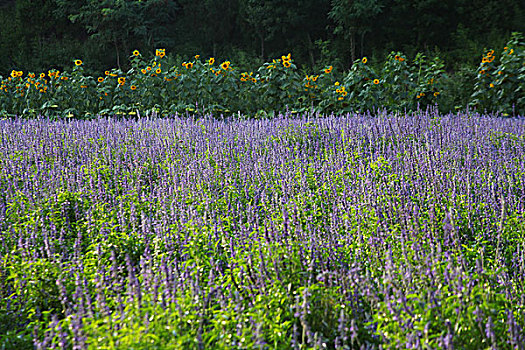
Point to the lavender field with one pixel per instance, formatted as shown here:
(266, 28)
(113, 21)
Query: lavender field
(292, 233)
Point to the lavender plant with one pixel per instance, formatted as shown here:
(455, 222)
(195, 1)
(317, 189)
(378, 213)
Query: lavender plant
(316, 232)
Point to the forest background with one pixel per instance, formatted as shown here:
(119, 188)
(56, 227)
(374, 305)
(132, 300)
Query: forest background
(38, 35)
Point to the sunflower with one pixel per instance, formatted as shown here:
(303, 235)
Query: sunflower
(106, 72)
(436, 94)
(364, 60)
(158, 70)
(211, 61)
(78, 62)
(376, 81)
(225, 65)
(148, 68)
(344, 92)
(401, 59)
(328, 70)
(143, 71)
(336, 83)
(491, 85)
(133, 87)
(286, 64)
(485, 60)
(397, 57)
(340, 98)
(14, 73)
(121, 80)
(160, 53)
(136, 53)
(42, 75)
(197, 57)
(100, 79)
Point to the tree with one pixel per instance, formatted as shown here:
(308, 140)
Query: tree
(122, 23)
(354, 17)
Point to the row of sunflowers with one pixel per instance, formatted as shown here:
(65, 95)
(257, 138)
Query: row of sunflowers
(204, 85)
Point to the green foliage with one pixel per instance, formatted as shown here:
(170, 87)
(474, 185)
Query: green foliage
(203, 85)
(501, 86)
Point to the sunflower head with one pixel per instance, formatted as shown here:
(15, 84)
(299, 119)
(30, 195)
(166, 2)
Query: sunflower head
(133, 87)
(328, 70)
(78, 62)
(376, 81)
(122, 80)
(158, 70)
(211, 61)
(225, 65)
(160, 53)
(100, 79)
(364, 60)
(136, 53)
(287, 64)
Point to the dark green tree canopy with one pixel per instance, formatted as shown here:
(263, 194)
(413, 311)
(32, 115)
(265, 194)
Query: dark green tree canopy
(38, 34)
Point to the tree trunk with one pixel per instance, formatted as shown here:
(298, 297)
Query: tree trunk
(310, 49)
(352, 44)
(116, 50)
(262, 46)
(362, 43)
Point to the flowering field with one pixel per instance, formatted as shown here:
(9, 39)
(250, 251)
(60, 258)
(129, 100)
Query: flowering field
(308, 233)
(204, 85)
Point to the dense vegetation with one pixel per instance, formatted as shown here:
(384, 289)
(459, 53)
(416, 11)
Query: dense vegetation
(403, 231)
(202, 85)
(279, 174)
(38, 35)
